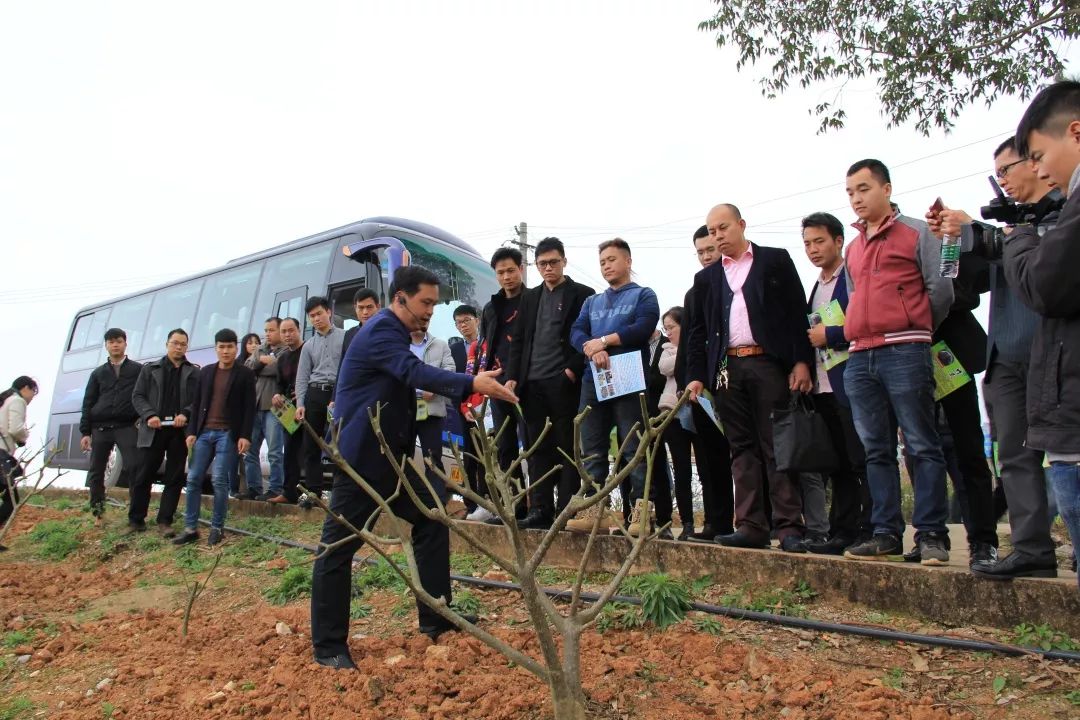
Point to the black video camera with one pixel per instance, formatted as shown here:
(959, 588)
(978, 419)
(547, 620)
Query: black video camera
(990, 244)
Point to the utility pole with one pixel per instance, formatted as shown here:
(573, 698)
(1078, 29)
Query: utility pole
(522, 230)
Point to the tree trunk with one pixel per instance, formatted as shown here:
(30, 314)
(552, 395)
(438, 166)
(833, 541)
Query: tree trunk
(566, 691)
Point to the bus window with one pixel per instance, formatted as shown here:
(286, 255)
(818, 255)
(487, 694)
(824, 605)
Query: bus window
(80, 333)
(305, 267)
(172, 308)
(226, 303)
(95, 338)
(130, 316)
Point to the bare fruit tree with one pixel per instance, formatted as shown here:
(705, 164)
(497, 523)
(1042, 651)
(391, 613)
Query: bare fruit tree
(558, 627)
(33, 479)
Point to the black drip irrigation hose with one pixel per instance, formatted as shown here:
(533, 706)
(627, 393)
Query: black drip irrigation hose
(742, 614)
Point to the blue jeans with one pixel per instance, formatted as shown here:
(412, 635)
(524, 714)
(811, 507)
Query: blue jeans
(899, 378)
(620, 413)
(216, 446)
(267, 428)
(1066, 479)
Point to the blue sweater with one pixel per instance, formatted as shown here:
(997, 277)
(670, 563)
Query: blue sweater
(631, 311)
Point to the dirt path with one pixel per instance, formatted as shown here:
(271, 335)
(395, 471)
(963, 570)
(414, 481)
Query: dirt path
(101, 627)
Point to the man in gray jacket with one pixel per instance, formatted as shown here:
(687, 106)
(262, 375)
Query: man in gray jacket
(431, 408)
(163, 389)
(264, 363)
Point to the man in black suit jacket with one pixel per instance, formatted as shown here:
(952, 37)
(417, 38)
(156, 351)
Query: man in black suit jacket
(748, 343)
(220, 419)
(545, 370)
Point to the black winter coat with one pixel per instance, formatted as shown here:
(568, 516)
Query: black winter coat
(107, 400)
(1043, 272)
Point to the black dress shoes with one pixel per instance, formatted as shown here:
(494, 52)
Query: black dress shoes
(827, 546)
(707, 534)
(792, 544)
(337, 662)
(536, 521)
(1016, 565)
(442, 626)
(740, 539)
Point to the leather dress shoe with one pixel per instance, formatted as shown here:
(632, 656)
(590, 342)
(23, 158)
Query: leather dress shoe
(536, 521)
(740, 539)
(442, 626)
(827, 546)
(1016, 565)
(337, 662)
(707, 534)
(792, 544)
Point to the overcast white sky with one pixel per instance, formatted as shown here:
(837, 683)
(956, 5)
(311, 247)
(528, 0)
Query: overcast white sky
(141, 141)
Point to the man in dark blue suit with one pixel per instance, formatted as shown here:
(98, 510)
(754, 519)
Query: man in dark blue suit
(748, 343)
(849, 516)
(380, 369)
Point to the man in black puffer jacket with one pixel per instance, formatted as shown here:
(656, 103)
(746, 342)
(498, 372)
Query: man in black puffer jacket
(108, 417)
(1043, 271)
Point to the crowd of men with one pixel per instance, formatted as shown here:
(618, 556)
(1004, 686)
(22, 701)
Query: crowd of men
(747, 338)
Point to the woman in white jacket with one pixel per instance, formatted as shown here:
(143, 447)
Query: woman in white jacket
(676, 436)
(13, 434)
(431, 408)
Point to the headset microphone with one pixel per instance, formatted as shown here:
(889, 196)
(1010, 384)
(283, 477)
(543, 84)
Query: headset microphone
(401, 302)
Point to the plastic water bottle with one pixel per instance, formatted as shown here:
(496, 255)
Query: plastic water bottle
(950, 257)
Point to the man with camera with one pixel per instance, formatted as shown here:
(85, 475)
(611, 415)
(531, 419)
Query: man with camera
(1032, 206)
(1043, 270)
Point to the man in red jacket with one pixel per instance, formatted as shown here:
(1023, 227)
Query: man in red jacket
(896, 298)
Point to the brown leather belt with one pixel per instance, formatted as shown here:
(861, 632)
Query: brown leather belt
(745, 351)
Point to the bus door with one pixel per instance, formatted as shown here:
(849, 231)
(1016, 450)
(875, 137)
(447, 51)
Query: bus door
(290, 303)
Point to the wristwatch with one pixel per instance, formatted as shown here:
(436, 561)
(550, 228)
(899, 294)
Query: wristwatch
(603, 341)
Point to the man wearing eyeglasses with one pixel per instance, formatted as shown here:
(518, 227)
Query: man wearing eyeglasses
(1010, 338)
(163, 389)
(545, 370)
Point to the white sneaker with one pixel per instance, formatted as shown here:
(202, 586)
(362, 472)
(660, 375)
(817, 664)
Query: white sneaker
(480, 515)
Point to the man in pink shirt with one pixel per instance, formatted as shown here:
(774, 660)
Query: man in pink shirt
(748, 344)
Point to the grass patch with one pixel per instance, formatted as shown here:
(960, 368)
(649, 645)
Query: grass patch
(1043, 637)
(664, 599)
(708, 625)
(149, 542)
(620, 616)
(404, 604)
(190, 559)
(777, 601)
(894, 678)
(16, 708)
(294, 584)
(358, 609)
(377, 576)
(56, 539)
(296, 556)
(468, 564)
(248, 551)
(466, 602)
(264, 525)
(18, 637)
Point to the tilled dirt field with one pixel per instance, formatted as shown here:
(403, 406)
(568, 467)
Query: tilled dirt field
(96, 634)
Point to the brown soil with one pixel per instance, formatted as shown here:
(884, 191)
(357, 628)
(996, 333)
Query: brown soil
(104, 639)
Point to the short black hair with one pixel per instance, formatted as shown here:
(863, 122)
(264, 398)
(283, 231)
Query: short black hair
(876, 168)
(616, 242)
(316, 301)
(115, 334)
(225, 336)
(506, 254)
(363, 294)
(825, 220)
(409, 278)
(701, 232)
(176, 331)
(675, 313)
(547, 245)
(1009, 144)
(274, 319)
(1050, 112)
(293, 320)
(465, 310)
